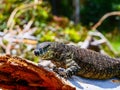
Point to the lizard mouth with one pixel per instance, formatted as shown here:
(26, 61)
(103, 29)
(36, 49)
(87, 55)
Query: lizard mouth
(44, 54)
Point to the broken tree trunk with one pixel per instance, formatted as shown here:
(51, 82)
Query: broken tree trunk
(19, 74)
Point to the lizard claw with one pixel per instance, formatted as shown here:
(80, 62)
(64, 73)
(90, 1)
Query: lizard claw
(62, 72)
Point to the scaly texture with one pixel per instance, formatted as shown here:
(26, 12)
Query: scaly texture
(83, 62)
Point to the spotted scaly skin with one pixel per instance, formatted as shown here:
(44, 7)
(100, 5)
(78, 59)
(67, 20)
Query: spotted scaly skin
(82, 62)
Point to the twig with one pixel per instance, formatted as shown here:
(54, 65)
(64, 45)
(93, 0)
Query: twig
(104, 17)
(98, 42)
(103, 40)
(11, 18)
(8, 48)
(27, 27)
(87, 41)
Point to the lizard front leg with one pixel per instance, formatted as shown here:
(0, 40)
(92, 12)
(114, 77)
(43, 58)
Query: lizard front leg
(72, 67)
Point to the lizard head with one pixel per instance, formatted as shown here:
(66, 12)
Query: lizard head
(50, 51)
(44, 50)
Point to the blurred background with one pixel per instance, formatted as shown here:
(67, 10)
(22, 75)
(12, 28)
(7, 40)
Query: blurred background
(25, 23)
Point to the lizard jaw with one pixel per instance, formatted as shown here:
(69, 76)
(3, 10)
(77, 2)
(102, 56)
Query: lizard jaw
(44, 55)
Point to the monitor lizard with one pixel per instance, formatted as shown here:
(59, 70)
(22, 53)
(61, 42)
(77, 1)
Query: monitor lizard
(78, 61)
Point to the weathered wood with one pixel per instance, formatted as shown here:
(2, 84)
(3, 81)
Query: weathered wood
(20, 74)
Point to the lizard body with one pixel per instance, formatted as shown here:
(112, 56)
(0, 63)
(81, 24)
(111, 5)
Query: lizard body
(82, 62)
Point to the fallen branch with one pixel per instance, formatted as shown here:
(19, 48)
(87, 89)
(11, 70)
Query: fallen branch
(104, 17)
(103, 40)
(88, 44)
(92, 43)
(90, 40)
(19, 74)
(15, 37)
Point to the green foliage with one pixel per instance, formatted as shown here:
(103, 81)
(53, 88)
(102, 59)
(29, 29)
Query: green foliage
(116, 45)
(38, 12)
(5, 42)
(114, 38)
(93, 10)
(67, 8)
(6, 7)
(72, 34)
(69, 33)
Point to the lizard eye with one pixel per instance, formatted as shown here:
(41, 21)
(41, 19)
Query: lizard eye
(41, 51)
(46, 47)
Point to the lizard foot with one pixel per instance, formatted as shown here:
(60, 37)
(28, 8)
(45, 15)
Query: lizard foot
(62, 72)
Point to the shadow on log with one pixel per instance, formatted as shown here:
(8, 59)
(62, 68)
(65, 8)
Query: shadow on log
(20, 74)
